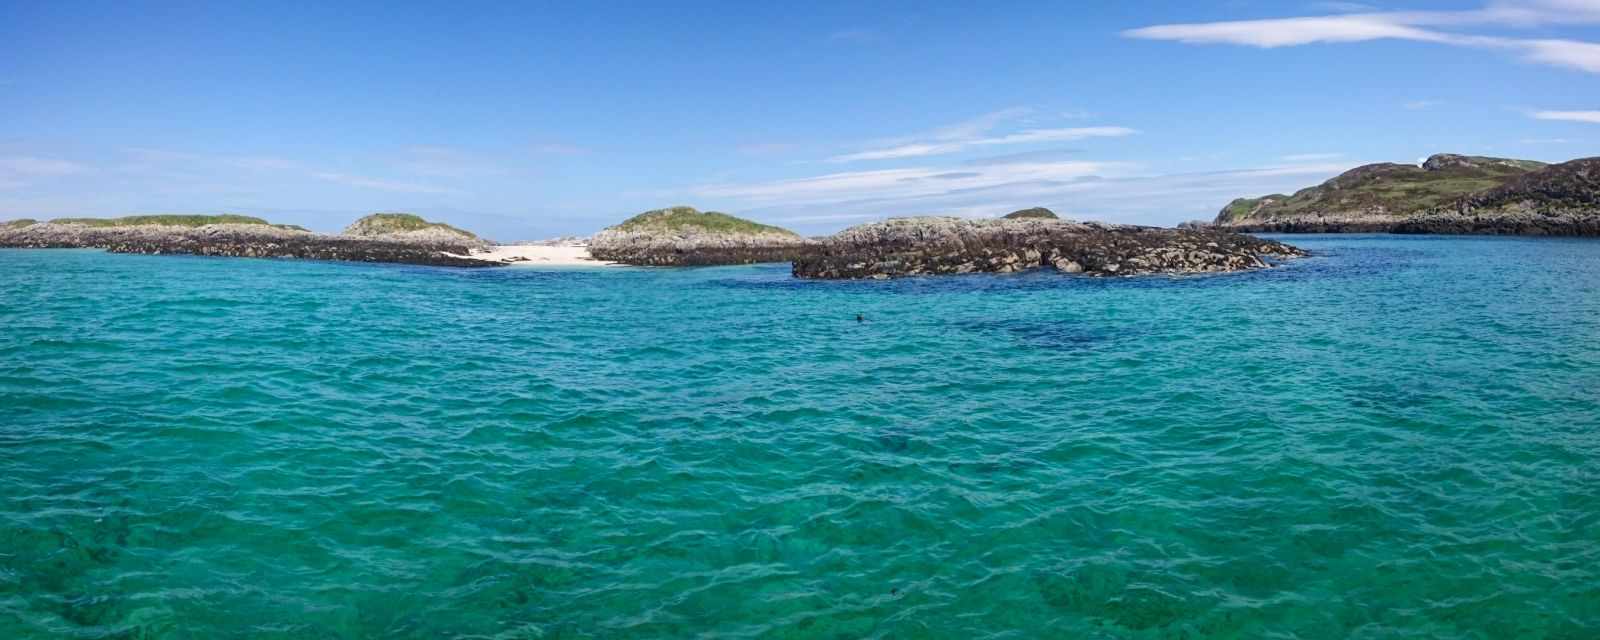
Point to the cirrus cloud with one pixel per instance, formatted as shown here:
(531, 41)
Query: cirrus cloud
(1417, 26)
(980, 132)
(1591, 117)
(920, 149)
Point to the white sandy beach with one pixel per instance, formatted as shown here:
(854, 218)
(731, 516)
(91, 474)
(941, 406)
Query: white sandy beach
(535, 255)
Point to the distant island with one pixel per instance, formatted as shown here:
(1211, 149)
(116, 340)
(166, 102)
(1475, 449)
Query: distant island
(1019, 241)
(947, 245)
(1447, 194)
(382, 237)
(684, 236)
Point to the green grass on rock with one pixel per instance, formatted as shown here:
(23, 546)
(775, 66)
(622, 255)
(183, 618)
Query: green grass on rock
(166, 220)
(689, 218)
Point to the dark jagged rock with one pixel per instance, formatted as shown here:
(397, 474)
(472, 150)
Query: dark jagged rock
(683, 236)
(924, 246)
(1034, 213)
(1448, 194)
(247, 240)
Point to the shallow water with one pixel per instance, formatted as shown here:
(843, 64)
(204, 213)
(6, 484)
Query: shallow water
(1399, 437)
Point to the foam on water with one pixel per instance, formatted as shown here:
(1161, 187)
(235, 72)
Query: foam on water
(1399, 437)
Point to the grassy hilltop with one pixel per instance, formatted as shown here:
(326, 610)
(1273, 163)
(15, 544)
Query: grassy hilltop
(1385, 189)
(165, 220)
(379, 224)
(676, 219)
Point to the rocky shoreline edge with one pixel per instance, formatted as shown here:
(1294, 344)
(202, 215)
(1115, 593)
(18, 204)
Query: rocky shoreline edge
(1584, 225)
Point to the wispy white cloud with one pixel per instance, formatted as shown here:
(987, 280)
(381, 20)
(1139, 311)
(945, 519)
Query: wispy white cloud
(444, 162)
(920, 149)
(264, 163)
(381, 184)
(939, 148)
(560, 149)
(975, 127)
(1042, 155)
(190, 171)
(32, 166)
(1286, 32)
(766, 148)
(20, 171)
(1343, 7)
(1419, 26)
(1310, 157)
(1419, 105)
(981, 131)
(1089, 190)
(1592, 117)
(1544, 141)
(900, 183)
(1584, 56)
(169, 162)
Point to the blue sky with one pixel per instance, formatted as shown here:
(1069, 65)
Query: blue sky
(527, 121)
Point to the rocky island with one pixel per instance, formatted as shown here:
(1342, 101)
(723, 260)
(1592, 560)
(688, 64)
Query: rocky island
(684, 236)
(941, 245)
(1035, 213)
(1447, 194)
(395, 238)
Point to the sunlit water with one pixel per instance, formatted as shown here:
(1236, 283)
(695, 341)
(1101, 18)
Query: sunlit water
(1399, 437)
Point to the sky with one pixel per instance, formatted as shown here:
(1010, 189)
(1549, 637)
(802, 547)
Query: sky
(527, 120)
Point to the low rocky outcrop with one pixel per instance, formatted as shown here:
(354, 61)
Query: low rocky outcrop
(1448, 194)
(196, 235)
(684, 236)
(939, 245)
(1033, 213)
(412, 229)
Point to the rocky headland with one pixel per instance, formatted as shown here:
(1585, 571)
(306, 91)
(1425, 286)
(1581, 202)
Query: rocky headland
(684, 236)
(1447, 194)
(245, 237)
(940, 245)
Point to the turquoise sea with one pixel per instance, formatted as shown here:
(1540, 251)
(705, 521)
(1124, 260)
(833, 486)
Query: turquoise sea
(1396, 438)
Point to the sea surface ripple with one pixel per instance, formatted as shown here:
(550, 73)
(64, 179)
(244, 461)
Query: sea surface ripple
(1396, 438)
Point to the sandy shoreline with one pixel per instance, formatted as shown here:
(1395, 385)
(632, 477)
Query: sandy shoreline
(534, 255)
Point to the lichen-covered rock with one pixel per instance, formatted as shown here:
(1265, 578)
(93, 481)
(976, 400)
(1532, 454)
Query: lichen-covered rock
(938, 245)
(684, 236)
(232, 240)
